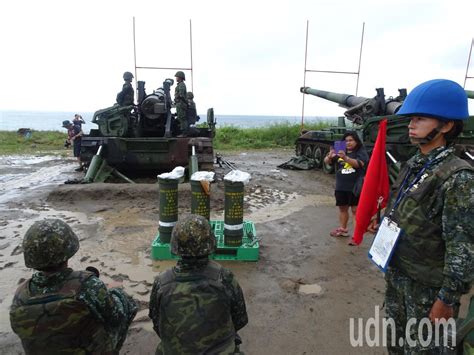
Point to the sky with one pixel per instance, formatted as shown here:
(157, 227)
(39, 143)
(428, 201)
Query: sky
(248, 57)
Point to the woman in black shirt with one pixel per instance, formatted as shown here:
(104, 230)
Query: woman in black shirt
(350, 171)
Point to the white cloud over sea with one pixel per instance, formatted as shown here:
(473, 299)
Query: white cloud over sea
(247, 56)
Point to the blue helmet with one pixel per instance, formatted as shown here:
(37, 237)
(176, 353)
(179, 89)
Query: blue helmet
(439, 98)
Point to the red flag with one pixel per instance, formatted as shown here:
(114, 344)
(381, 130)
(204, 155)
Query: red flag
(375, 190)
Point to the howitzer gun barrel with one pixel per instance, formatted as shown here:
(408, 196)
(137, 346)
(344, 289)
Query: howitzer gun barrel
(470, 94)
(344, 100)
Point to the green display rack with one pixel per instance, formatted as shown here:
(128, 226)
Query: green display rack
(248, 251)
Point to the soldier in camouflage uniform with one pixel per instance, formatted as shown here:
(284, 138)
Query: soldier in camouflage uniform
(192, 112)
(61, 311)
(127, 95)
(197, 307)
(432, 202)
(181, 101)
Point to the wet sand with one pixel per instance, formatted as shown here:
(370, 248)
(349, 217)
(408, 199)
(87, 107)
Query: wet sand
(300, 295)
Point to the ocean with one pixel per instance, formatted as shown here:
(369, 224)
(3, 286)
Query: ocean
(52, 121)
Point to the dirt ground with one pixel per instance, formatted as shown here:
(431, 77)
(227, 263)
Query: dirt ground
(293, 212)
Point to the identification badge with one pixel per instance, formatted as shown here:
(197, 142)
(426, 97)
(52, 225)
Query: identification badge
(384, 243)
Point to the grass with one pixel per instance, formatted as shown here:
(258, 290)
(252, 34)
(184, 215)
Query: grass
(39, 141)
(278, 135)
(271, 136)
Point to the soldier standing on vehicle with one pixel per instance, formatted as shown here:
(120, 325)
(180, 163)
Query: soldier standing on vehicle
(127, 95)
(181, 101)
(197, 307)
(63, 311)
(430, 209)
(192, 112)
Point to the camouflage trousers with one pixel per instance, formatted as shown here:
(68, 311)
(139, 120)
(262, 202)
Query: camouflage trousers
(409, 302)
(181, 115)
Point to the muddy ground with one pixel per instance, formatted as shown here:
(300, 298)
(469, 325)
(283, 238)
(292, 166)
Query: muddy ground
(293, 212)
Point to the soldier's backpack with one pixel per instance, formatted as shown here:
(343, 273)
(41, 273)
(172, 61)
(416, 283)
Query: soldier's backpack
(195, 313)
(57, 323)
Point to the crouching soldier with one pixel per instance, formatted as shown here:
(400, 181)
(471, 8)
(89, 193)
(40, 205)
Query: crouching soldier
(197, 307)
(60, 310)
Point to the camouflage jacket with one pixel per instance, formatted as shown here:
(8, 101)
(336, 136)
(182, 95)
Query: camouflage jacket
(436, 246)
(100, 314)
(180, 93)
(192, 113)
(126, 96)
(212, 326)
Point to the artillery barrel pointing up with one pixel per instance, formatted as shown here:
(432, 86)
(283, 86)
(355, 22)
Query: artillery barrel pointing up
(344, 100)
(470, 94)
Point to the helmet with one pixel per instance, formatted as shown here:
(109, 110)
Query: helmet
(128, 76)
(48, 243)
(192, 236)
(180, 74)
(66, 123)
(190, 95)
(439, 98)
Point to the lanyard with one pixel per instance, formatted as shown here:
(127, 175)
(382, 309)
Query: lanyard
(402, 192)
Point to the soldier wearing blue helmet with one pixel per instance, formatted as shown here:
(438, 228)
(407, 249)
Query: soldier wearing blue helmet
(432, 264)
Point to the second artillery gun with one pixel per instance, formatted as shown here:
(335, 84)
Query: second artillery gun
(365, 114)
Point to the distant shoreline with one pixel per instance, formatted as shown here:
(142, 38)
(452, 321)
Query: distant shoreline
(280, 134)
(12, 120)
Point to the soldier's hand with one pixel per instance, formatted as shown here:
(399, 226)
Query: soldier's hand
(440, 310)
(331, 153)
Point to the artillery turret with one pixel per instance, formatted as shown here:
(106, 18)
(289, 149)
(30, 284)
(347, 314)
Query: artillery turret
(360, 108)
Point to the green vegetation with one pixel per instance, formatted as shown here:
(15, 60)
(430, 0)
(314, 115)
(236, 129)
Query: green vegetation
(38, 141)
(272, 136)
(227, 138)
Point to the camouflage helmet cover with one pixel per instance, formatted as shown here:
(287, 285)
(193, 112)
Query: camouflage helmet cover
(48, 243)
(190, 95)
(127, 76)
(180, 74)
(192, 236)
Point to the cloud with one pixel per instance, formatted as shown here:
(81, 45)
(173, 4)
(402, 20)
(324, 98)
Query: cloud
(247, 56)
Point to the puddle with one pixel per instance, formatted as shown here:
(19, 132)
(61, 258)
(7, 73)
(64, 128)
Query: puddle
(18, 174)
(14, 160)
(313, 289)
(284, 207)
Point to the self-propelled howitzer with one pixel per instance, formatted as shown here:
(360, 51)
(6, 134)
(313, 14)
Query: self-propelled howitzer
(145, 139)
(365, 115)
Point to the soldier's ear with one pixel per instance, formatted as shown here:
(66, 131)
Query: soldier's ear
(447, 127)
